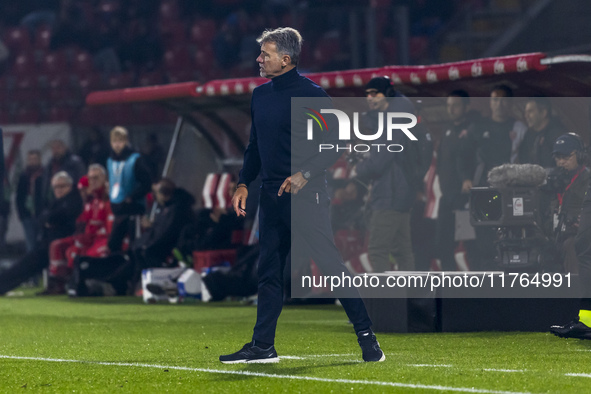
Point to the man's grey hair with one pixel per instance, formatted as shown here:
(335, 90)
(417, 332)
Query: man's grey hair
(97, 167)
(287, 40)
(63, 175)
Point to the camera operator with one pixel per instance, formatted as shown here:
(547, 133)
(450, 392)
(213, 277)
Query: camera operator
(580, 327)
(568, 182)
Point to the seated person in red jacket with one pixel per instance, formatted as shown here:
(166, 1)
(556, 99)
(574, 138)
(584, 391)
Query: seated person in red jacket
(97, 220)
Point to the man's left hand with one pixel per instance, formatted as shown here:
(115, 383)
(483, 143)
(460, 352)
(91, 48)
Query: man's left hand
(293, 184)
(466, 186)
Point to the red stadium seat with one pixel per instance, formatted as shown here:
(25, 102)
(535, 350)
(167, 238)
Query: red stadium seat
(5, 116)
(326, 49)
(91, 116)
(43, 37)
(176, 76)
(17, 39)
(173, 33)
(203, 31)
(88, 82)
(84, 84)
(59, 88)
(418, 47)
(54, 63)
(389, 49)
(26, 89)
(204, 58)
(151, 78)
(169, 10)
(5, 85)
(27, 114)
(152, 114)
(209, 190)
(223, 194)
(24, 64)
(82, 62)
(178, 58)
(120, 114)
(60, 114)
(120, 81)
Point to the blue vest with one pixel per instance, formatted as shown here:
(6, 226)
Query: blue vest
(121, 178)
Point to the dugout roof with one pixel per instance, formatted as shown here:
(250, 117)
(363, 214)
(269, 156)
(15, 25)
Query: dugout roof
(220, 109)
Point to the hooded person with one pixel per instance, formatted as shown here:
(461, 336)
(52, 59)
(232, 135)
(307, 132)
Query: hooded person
(393, 190)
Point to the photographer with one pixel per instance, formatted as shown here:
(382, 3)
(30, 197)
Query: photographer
(568, 182)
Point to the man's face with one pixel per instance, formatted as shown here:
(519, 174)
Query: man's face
(33, 160)
(500, 105)
(58, 149)
(535, 117)
(96, 180)
(118, 144)
(456, 108)
(270, 61)
(376, 101)
(568, 162)
(160, 198)
(60, 187)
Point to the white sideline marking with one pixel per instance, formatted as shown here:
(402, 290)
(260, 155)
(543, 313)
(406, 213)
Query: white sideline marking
(473, 369)
(317, 356)
(430, 365)
(268, 375)
(579, 375)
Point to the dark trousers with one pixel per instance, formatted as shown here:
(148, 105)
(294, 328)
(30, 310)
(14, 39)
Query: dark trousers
(116, 269)
(312, 239)
(29, 265)
(123, 226)
(446, 229)
(583, 249)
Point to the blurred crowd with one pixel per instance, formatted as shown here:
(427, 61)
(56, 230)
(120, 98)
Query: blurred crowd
(95, 223)
(53, 53)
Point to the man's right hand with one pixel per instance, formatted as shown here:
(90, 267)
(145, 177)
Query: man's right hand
(239, 201)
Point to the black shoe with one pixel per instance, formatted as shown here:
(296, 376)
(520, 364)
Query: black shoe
(370, 346)
(573, 329)
(55, 286)
(251, 354)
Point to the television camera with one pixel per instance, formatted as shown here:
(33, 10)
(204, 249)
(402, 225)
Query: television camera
(512, 205)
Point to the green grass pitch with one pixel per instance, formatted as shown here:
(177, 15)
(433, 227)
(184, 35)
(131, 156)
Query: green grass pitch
(55, 344)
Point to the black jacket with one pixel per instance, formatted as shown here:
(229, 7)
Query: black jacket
(59, 219)
(456, 158)
(22, 193)
(278, 146)
(390, 173)
(167, 225)
(536, 147)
